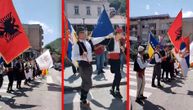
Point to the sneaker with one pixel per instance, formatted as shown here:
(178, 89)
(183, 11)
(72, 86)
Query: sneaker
(118, 94)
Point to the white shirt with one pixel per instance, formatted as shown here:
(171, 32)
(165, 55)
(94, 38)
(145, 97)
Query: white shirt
(116, 47)
(76, 53)
(141, 63)
(157, 58)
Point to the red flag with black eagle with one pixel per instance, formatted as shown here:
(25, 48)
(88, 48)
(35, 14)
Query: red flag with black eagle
(175, 31)
(13, 40)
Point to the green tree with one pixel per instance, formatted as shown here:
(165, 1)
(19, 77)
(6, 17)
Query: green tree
(119, 5)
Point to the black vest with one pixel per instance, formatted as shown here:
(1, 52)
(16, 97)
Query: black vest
(109, 43)
(82, 47)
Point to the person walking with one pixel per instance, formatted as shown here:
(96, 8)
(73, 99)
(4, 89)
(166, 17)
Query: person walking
(114, 49)
(82, 52)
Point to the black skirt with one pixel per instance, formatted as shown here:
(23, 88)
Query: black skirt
(115, 65)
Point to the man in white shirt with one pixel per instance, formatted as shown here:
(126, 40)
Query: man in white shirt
(82, 52)
(140, 75)
(157, 67)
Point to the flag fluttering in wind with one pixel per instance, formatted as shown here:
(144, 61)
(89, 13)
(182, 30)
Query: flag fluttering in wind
(72, 39)
(11, 32)
(152, 44)
(180, 43)
(45, 61)
(175, 31)
(103, 27)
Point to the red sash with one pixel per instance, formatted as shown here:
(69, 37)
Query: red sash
(114, 56)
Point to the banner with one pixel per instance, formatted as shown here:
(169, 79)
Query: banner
(45, 61)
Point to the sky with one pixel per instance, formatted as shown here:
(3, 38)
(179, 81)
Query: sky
(47, 13)
(155, 7)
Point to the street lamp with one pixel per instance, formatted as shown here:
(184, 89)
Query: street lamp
(83, 19)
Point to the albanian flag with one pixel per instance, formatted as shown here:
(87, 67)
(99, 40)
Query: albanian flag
(175, 31)
(13, 40)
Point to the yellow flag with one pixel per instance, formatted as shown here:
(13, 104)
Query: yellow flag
(150, 50)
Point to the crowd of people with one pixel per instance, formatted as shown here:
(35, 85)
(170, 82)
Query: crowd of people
(165, 69)
(19, 70)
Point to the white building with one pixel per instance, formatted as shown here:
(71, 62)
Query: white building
(87, 12)
(85, 8)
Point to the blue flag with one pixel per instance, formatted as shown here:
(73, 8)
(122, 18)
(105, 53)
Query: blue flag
(104, 26)
(151, 46)
(72, 40)
(153, 42)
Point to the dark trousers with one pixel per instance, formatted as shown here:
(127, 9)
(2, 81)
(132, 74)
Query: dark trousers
(115, 68)
(168, 70)
(74, 69)
(85, 70)
(18, 83)
(10, 78)
(165, 71)
(156, 73)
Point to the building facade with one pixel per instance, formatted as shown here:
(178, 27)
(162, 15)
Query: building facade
(35, 34)
(86, 13)
(158, 25)
(85, 8)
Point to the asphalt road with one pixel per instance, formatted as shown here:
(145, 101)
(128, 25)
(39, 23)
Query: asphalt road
(42, 94)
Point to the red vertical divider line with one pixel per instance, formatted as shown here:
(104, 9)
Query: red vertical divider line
(128, 52)
(62, 57)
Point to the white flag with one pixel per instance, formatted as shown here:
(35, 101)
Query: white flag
(182, 62)
(191, 54)
(45, 61)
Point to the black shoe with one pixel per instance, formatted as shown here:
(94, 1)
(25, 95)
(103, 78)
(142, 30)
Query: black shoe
(11, 90)
(85, 104)
(160, 86)
(112, 93)
(8, 91)
(143, 97)
(153, 85)
(102, 71)
(139, 101)
(118, 94)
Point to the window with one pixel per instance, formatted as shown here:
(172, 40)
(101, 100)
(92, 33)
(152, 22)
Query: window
(99, 10)
(76, 10)
(88, 10)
